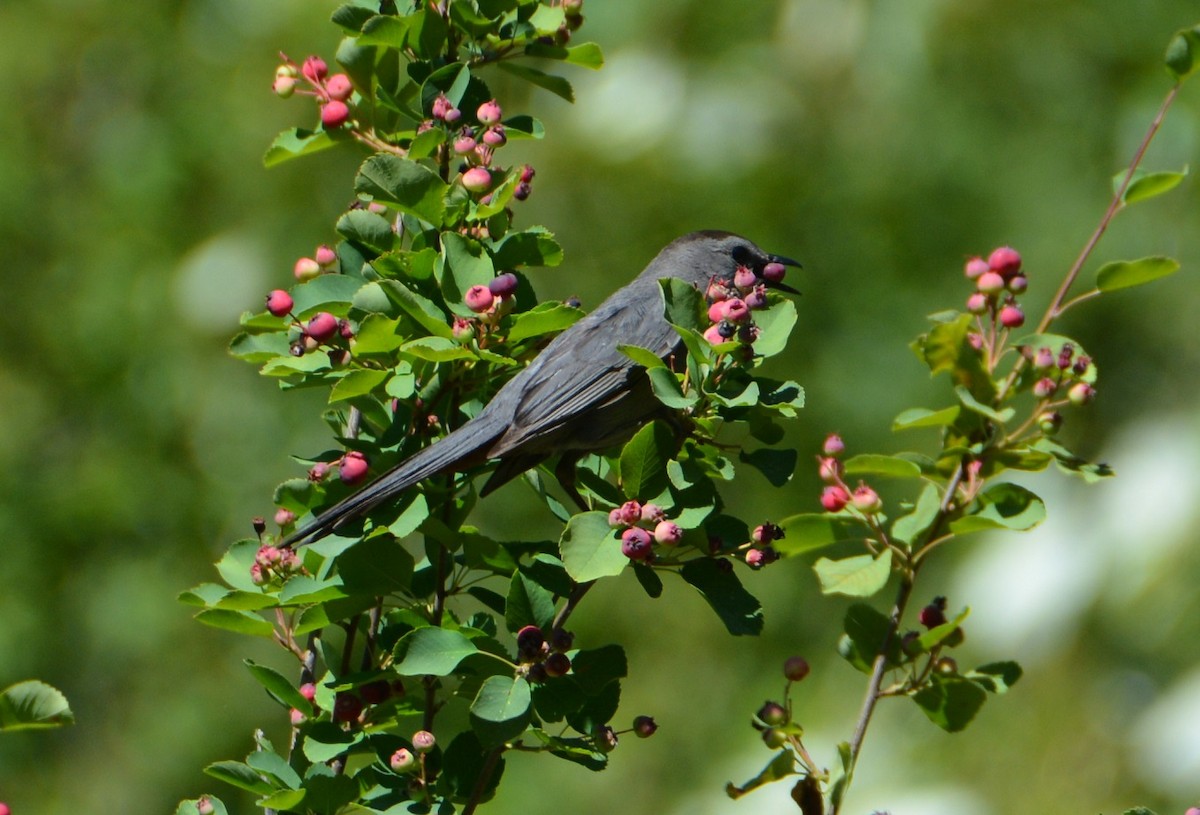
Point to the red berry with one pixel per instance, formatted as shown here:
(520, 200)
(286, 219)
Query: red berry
(1005, 261)
(477, 179)
(736, 310)
(297, 716)
(756, 558)
(1011, 316)
(636, 543)
(774, 272)
(834, 498)
(279, 303)
(377, 692)
(795, 668)
(977, 303)
(334, 114)
(318, 471)
(931, 616)
(314, 70)
(322, 326)
(479, 299)
(713, 334)
(465, 143)
(716, 312)
(325, 256)
(990, 283)
(339, 87)
(527, 173)
(353, 468)
(309, 691)
(975, 267)
(489, 113)
(630, 512)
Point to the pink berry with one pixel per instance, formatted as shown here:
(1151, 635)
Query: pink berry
(306, 269)
(756, 558)
(652, 513)
(283, 87)
(1080, 394)
(716, 312)
(279, 303)
(990, 283)
(866, 500)
(325, 256)
(1018, 284)
(334, 114)
(713, 334)
(833, 445)
(477, 179)
(463, 329)
(479, 299)
(309, 691)
(668, 533)
(322, 326)
(716, 292)
(756, 298)
(314, 70)
(441, 106)
(1044, 358)
(1011, 316)
(504, 285)
(284, 517)
(736, 310)
(494, 136)
(402, 760)
(318, 471)
(975, 267)
(977, 303)
(423, 741)
(795, 668)
(1044, 387)
(636, 543)
(744, 278)
(527, 173)
(464, 144)
(1005, 261)
(339, 87)
(630, 512)
(834, 498)
(774, 272)
(354, 468)
(829, 468)
(489, 113)
(204, 806)
(297, 717)
(615, 520)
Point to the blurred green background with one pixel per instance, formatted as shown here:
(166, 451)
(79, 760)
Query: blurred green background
(880, 142)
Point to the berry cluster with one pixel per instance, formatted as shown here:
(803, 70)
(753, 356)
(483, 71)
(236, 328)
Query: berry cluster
(643, 525)
(930, 617)
(274, 565)
(352, 469)
(476, 145)
(541, 657)
(321, 328)
(774, 719)
(759, 551)
(838, 495)
(732, 301)
(331, 92)
(998, 281)
(324, 260)
(405, 760)
(1062, 381)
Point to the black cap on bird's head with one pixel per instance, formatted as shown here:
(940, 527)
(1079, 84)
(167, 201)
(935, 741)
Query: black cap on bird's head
(713, 255)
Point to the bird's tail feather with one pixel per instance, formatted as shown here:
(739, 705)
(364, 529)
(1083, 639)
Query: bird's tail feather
(445, 455)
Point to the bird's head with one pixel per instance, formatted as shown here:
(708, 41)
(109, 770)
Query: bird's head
(701, 258)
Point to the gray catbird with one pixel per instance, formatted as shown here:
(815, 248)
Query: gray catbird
(580, 394)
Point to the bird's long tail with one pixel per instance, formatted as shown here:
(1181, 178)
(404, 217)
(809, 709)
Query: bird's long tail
(445, 455)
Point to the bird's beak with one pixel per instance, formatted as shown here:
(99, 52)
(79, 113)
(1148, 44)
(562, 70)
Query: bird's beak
(786, 261)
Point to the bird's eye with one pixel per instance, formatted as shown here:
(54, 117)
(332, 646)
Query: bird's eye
(741, 254)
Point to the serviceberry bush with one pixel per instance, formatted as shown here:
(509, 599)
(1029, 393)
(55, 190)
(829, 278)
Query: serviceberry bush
(427, 652)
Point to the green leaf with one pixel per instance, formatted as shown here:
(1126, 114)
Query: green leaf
(1181, 53)
(367, 230)
(436, 349)
(594, 669)
(411, 187)
(427, 313)
(359, 382)
(328, 292)
(643, 465)
(385, 29)
(535, 246)
(1072, 464)
(377, 566)
(923, 417)
(783, 765)
(775, 326)
(434, 651)
(555, 84)
(777, 466)
(866, 629)
(874, 464)
(501, 709)
(810, 531)
(996, 677)
(908, 528)
(857, 576)
(466, 265)
(946, 349)
(283, 800)
(1147, 185)
(325, 741)
(738, 609)
(587, 54)
(278, 686)
(463, 765)
(950, 702)
(295, 143)
(642, 356)
(666, 387)
(544, 318)
(785, 398)
(239, 775)
(240, 622)
(1003, 506)
(527, 604)
(330, 793)
(682, 303)
(1123, 274)
(33, 705)
(590, 548)
(975, 406)
(191, 806)
(270, 763)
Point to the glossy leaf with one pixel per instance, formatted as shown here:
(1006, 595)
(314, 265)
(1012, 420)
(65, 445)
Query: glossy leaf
(590, 548)
(555, 84)
(33, 705)
(433, 651)
(239, 622)
(950, 702)
(1147, 185)
(1003, 506)
(501, 709)
(545, 318)
(295, 143)
(1123, 274)
(923, 417)
(810, 531)
(856, 576)
(873, 464)
(411, 187)
(1182, 52)
(238, 775)
(643, 463)
(280, 688)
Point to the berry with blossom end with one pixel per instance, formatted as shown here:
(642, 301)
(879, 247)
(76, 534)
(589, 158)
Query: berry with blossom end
(443, 109)
(934, 614)
(795, 668)
(465, 142)
(1081, 365)
(529, 641)
(630, 513)
(1044, 387)
(1011, 316)
(1005, 261)
(975, 267)
(713, 334)
(1044, 358)
(833, 445)
(318, 471)
(834, 498)
(644, 727)
(977, 303)
(339, 87)
(1018, 284)
(297, 716)
(489, 112)
(636, 543)
(308, 690)
(204, 806)
(314, 70)
(322, 326)
(772, 714)
(757, 558)
(521, 191)
(494, 136)
(353, 468)
(766, 533)
(990, 283)
(652, 513)
(668, 533)
(347, 707)
(557, 664)
(477, 179)
(774, 272)
(402, 760)
(1050, 422)
(423, 741)
(279, 303)
(866, 500)
(284, 517)
(325, 256)
(479, 299)
(504, 285)
(462, 329)
(306, 269)
(283, 86)
(756, 298)
(736, 310)
(1080, 394)
(605, 739)
(744, 278)
(829, 469)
